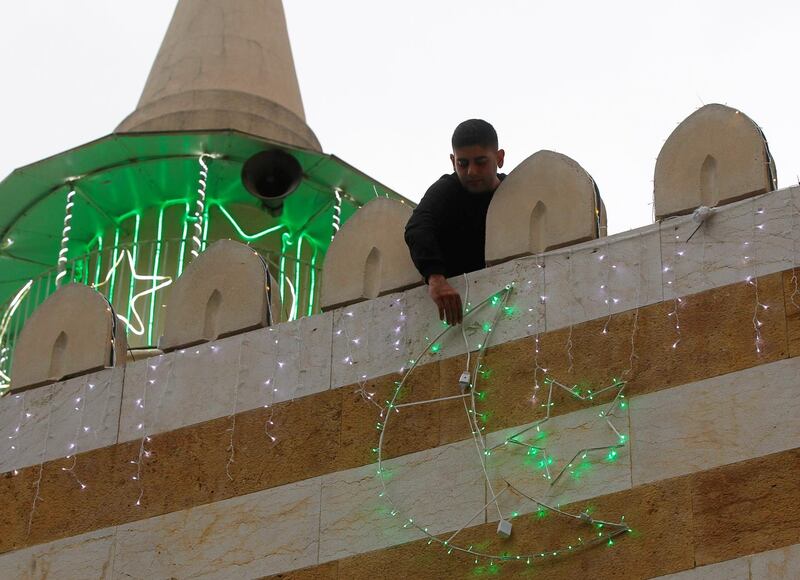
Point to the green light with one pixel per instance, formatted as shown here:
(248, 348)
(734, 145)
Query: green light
(313, 281)
(155, 273)
(205, 229)
(114, 261)
(99, 259)
(182, 251)
(487, 327)
(296, 301)
(240, 231)
(612, 455)
(509, 310)
(436, 347)
(495, 300)
(282, 265)
(135, 256)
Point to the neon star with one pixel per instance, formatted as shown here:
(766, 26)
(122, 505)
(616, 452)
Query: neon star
(164, 281)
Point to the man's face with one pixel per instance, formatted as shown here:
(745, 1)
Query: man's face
(476, 167)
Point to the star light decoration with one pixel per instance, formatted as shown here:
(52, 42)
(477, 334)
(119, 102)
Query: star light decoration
(163, 281)
(598, 531)
(588, 396)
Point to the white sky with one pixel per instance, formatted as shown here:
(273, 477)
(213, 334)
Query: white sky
(384, 83)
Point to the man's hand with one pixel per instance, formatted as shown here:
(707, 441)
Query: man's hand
(446, 298)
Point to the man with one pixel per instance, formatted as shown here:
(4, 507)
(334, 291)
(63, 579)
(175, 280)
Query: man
(447, 231)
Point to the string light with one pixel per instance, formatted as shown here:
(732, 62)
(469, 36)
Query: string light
(612, 529)
(14, 437)
(72, 448)
(62, 253)
(232, 416)
(571, 322)
(164, 281)
(5, 379)
(38, 484)
(141, 406)
(272, 389)
(337, 212)
(676, 301)
(200, 206)
(753, 280)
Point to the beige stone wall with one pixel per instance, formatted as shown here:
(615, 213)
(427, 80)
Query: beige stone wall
(71, 333)
(715, 156)
(368, 257)
(219, 496)
(546, 202)
(225, 290)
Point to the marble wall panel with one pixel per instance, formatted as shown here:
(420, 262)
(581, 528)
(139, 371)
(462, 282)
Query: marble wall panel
(746, 507)
(431, 487)
(234, 374)
(522, 314)
(738, 569)
(245, 537)
(61, 419)
(716, 421)
(753, 237)
(778, 564)
(285, 362)
(602, 277)
(85, 556)
(523, 470)
(371, 338)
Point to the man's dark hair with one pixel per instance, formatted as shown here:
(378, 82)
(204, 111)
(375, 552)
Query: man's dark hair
(474, 132)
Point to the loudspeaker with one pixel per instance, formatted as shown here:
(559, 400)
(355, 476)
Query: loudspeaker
(271, 176)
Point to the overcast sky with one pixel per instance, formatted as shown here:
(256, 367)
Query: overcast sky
(384, 83)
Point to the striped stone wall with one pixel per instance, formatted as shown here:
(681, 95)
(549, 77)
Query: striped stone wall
(252, 455)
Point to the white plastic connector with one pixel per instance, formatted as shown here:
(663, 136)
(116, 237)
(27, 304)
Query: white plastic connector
(586, 518)
(465, 382)
(504, 529)
(701, 214)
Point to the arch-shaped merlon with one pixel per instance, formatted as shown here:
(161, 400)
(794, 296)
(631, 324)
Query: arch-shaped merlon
(224, 291)
(715, 156)
(369, 256)
(546, 202)
(74, 332)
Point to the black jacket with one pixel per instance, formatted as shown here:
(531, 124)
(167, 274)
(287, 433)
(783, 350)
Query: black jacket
(446, 234)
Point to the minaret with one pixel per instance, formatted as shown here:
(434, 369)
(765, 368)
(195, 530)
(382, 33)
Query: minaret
(225, 64)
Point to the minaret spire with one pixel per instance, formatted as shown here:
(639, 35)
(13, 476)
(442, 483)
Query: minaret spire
(225, 64)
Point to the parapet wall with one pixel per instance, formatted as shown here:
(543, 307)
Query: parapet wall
(253, 455)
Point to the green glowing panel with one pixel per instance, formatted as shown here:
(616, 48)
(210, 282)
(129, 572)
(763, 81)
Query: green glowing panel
(120, 176)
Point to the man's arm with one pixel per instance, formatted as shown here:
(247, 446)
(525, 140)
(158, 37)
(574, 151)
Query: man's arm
(426, 253)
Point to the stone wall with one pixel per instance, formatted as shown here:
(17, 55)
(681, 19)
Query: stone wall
(252, 455)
